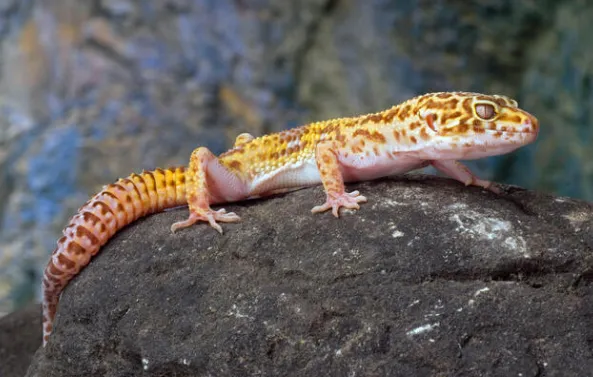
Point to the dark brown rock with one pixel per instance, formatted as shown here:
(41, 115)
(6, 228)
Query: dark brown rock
(95, 90)
(20, 336)
(428, 278)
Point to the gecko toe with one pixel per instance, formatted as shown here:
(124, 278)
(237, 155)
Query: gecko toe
(192, 219)
(215, 225)
(322, 208)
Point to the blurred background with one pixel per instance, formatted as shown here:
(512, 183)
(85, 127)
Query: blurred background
(94, 90)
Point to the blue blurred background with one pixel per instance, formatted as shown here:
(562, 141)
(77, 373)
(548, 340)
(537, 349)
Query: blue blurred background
(95, 90)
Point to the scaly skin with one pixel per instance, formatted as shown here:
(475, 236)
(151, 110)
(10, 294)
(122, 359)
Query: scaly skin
(434, 129)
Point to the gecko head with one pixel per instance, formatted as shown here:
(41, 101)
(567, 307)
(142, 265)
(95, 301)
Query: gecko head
(473, 125)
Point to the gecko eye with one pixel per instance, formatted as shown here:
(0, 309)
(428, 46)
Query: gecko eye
(485, 111)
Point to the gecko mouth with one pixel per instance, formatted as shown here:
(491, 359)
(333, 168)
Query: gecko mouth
(507, 132)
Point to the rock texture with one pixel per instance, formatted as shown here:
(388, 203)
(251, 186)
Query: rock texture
(20, 336)
(428, 278)
(94, 90)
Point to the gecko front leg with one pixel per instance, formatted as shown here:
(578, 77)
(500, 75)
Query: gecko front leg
(326, 157)
(460, 172)
(205, 179)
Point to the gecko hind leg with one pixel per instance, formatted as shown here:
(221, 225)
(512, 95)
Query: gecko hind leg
(198, 194)
(243, 139)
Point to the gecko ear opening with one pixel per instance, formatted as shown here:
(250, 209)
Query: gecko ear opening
(430, 119)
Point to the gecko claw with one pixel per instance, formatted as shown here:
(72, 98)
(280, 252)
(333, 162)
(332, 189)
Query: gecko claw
(335, 201)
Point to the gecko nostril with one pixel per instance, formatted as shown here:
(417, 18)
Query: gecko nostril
(534, 123)
(528, 125)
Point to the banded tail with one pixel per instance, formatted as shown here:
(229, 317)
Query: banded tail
(116, 206)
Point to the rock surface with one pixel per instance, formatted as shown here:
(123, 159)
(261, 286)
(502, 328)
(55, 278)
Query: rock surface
(20, 336)
(91, 91)
(428, 278)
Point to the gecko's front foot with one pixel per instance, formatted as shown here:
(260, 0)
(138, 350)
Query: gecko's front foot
(486, 185)
(209, 216)
(492, 187)
(335, 201)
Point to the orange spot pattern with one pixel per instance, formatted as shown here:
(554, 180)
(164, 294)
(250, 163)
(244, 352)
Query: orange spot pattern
(367, 133)
(120, 203)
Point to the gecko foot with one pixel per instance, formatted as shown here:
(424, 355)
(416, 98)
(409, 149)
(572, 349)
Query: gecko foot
(210, 216)
(335, 201)
(487, 185)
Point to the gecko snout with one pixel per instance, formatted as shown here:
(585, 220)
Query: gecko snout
(530, 124)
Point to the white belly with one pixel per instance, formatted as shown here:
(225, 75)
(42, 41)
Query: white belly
(355, 168)
(363, 168)
(287, 178)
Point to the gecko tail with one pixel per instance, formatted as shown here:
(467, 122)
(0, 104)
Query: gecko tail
(114, 207)
(52, 286)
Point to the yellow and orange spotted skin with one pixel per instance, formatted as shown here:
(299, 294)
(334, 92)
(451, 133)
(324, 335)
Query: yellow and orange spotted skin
(433, 129)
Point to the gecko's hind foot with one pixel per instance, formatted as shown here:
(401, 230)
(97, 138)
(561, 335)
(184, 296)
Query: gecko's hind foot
(209, 216)
(335, 201)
